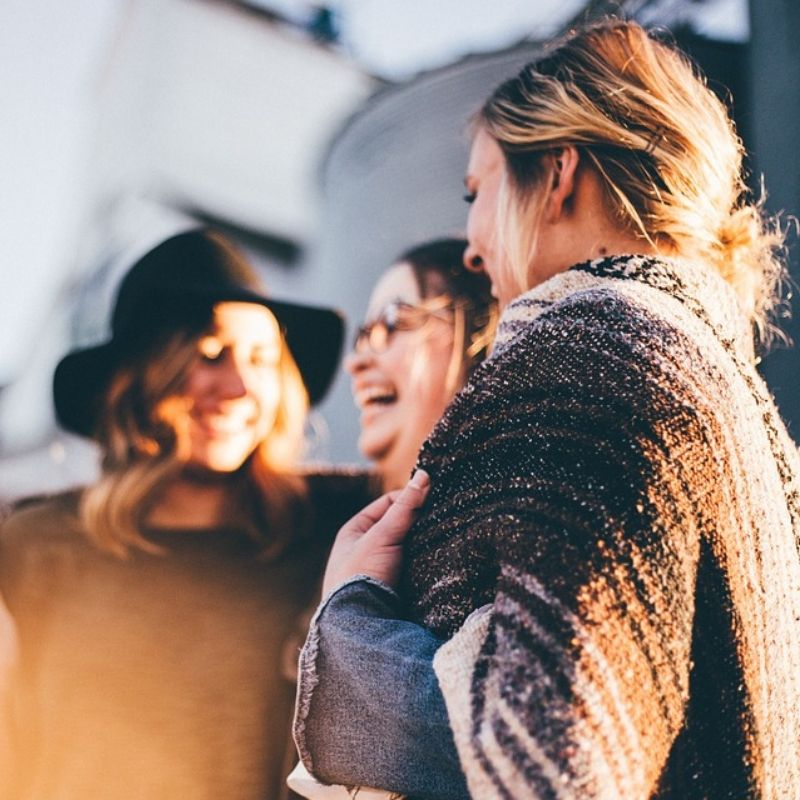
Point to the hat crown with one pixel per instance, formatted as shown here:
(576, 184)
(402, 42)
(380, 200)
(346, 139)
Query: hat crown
(173, 288)
(185, 272)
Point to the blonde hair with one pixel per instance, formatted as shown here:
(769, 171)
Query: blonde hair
(139, 432)
(662, 143)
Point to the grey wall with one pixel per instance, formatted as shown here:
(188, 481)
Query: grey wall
(775, 125)
(394, 178)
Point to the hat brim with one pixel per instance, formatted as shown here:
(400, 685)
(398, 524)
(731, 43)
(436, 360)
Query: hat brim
(313, 335)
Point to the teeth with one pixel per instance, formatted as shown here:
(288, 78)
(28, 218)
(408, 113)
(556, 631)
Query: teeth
(373, 394)
(223, 425)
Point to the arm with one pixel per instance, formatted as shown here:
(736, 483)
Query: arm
(22, 600)
(568, 701)
(9, 758)
(369, 708)
(370, 711)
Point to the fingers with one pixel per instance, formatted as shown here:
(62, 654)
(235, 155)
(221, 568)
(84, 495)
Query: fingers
(394, 524)
(368, 516)
(370, 543)
(409, 499)
(413, 494)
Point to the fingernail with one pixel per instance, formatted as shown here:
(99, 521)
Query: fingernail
(419, 479)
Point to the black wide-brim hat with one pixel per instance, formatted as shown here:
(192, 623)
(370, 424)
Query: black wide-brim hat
(174, 287)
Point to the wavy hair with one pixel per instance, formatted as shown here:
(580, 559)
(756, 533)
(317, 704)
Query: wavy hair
(662, 143)
(139, 433)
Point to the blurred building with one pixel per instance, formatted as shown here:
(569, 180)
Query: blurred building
(393, 178)
(203, 111)
(218, 111)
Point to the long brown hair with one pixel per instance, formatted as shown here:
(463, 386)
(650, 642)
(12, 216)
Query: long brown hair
(141, 453)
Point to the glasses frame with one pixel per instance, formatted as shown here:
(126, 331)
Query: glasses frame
(376, 335)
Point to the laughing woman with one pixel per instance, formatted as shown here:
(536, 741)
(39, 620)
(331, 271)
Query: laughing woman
(429, 324)
(603, 585)
(150, 610)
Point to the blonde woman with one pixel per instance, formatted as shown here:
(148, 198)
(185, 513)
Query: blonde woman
(151, 609)
(603, 585)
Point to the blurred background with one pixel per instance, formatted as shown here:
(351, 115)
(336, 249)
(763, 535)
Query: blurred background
(325, 139)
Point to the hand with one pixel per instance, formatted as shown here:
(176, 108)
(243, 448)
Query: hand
(371, 543)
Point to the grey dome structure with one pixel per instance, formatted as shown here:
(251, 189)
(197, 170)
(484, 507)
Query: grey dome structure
(392, 178)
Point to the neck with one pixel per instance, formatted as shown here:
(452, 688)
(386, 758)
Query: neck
(395, 472)
(588, 247)
(583, 229)
(395, 466)
(194, 501)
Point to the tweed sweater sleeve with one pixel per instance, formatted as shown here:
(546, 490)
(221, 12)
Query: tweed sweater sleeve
(568, 485)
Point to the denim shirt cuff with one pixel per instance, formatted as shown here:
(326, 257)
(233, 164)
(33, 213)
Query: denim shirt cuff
(386, 591)
(307, 676)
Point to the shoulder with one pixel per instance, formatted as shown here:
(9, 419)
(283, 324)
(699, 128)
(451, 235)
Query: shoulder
(38, 537)
(41, 516)
(340, 491)
(592, 338)
(594, 362)
(604, 313)
(333, 496)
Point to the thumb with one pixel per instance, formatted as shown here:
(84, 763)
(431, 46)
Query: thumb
(413, 494)
(399, 517)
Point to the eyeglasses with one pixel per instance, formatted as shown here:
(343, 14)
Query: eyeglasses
(399, 316)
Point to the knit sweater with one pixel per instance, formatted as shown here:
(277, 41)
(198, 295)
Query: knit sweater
(610, 545)
(158, 676)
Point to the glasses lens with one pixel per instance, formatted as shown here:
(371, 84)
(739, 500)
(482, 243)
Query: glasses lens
(398, 316)
(379, 333)
(375, 335)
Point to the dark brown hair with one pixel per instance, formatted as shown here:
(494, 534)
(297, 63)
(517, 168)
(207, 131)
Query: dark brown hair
(438, 268)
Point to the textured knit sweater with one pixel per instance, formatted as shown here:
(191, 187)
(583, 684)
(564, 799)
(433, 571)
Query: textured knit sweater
(616, 499)
(158, 677)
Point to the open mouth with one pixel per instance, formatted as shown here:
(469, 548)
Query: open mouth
(221, 426)
(375, 396)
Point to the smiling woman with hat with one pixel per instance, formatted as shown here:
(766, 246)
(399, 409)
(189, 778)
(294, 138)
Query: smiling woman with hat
(151, 609)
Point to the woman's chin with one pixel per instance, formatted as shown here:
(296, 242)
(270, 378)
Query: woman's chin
(223, 463)
(206, 475)
(376, 439)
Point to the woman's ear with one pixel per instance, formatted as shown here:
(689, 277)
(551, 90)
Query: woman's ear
(565, 167)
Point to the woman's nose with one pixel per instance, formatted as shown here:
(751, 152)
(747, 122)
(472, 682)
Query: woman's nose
(232, 382)
(358, 358)
(473, 262)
